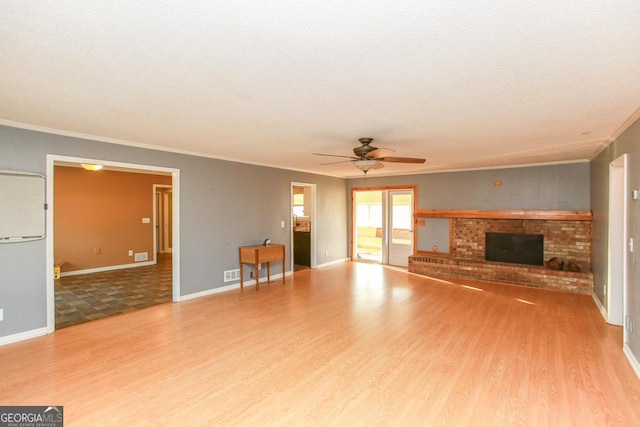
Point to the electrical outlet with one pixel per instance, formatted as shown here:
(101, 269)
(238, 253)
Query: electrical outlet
(130, 252)
(1, 314)
(326, 253)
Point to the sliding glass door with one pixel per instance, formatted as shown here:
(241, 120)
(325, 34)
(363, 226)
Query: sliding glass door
(383, 226)
(400, 230)
(368, 221)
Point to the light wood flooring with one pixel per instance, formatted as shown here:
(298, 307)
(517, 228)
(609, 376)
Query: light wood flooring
(349, 345)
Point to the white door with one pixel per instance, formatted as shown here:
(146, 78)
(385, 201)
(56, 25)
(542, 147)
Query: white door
(400, 229)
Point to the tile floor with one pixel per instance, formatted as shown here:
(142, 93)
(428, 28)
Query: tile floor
(87, 297)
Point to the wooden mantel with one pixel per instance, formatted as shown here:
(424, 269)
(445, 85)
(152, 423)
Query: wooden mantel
(507, 214)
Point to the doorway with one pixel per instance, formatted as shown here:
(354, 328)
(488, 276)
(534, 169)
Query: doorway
(303, 228)
(173, 265)
(163, 217)
(382, 230)
(616, 290)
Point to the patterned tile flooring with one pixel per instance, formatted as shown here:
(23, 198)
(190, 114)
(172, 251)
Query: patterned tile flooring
(87, 297)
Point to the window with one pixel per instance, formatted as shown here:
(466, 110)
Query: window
(298, 204)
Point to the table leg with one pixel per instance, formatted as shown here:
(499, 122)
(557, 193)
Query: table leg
(257, 277)
(241, 277)
(269, 271)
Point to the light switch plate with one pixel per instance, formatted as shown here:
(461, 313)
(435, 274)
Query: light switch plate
(146, 220)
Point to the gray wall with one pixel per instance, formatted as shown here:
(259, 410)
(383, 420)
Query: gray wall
(556, 187)
(629, 143)
(223, 205)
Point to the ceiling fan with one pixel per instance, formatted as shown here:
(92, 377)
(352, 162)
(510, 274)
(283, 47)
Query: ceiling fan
(368, 157)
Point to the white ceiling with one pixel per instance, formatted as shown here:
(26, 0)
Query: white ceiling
(466, 84)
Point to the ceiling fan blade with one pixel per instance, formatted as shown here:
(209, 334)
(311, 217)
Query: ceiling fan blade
(335, 155)
(379, 152)
(401, 160)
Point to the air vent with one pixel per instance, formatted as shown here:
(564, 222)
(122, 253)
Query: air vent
(231, 275)
(142, 256)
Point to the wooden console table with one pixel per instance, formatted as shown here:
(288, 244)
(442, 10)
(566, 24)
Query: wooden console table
(258, 254)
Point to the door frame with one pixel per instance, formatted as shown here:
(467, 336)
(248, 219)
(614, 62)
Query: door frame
(389, 218)
(617, 274)
(155, 219)
(52, 159)
(385, 248)
(312, 221)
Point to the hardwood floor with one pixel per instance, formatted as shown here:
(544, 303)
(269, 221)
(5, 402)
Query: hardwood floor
(349, 345)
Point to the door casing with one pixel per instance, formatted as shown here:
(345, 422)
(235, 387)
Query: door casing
(385, 245)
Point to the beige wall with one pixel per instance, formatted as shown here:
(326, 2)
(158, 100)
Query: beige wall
(98, 216)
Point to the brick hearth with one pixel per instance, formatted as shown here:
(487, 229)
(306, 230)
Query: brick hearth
(565, 239)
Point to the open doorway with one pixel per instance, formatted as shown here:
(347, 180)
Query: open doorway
(383, 221)
(303, 229)
(121, 253)
(163, 213)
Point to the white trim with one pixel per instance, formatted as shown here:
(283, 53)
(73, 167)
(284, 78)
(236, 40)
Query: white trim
(44, 129)
(619, 131)
(175, 235)
(156, 249)
(603, 310)
(231, 287)
(129, 143)
(50, 167)
(106, 268)
(10, 339)
(617, 239)
(484, 168)
(633, 361)
(49, 239)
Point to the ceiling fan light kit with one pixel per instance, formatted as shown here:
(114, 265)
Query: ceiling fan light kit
(368, 157)
(365, 165)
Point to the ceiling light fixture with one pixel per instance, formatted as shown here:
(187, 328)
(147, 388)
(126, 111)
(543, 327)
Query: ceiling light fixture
(91, 167)
(365, 164)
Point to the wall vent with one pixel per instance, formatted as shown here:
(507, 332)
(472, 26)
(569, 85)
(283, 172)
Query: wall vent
(231, 275)
(142, 256)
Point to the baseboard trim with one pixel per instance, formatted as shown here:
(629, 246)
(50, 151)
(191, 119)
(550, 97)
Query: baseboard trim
(603, 311)
(10, 339)
(633, 361)
(107, 268)
(227, 288)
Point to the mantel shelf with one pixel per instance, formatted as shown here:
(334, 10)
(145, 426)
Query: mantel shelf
(507, 214)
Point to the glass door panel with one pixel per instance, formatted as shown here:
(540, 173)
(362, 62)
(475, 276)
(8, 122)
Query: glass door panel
(368, 223)
(401, 227)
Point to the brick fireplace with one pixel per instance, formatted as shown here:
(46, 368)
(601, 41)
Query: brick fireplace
(567, 236)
